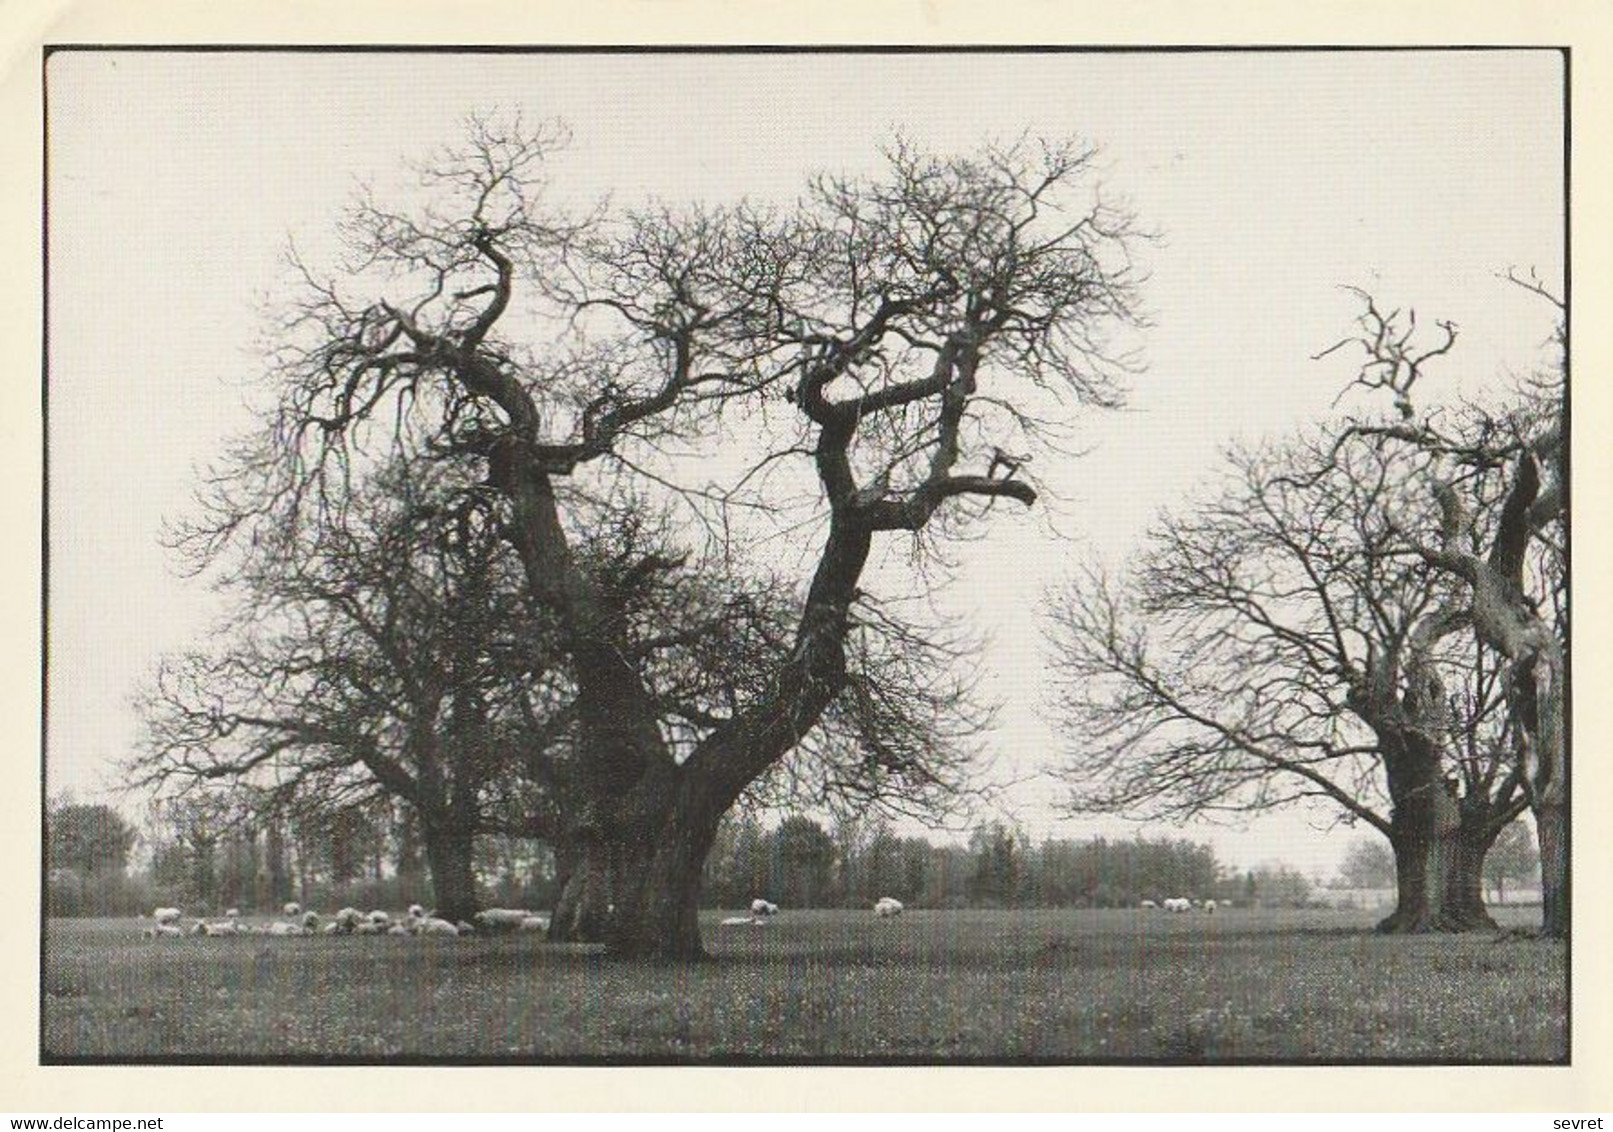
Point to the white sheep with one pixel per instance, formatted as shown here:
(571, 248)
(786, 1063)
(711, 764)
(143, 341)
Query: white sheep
(886, 906)
(735, 921)
(502, 919)
(763, 908)
(163, 930)
(227, 927)
(166, 915)
(1148, 904)
(280, 927)
(1209, 907)
(534, 924)
(380, 917)
(416, 912)
(292, 908)
(398, 929)
(431, 925)
(371, 927)
(310, 920)
(466, 928)
(232, 913)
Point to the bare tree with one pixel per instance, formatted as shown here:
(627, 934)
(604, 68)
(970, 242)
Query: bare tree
(1507, 559)
(908, 325)
(1278, 642)
(397, 660)
(375, 662)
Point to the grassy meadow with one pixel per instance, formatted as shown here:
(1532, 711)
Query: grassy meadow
(1058, 985)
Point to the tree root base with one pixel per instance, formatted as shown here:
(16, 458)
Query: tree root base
(1439, 923)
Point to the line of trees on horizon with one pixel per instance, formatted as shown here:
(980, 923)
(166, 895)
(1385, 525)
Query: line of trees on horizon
(375, 860)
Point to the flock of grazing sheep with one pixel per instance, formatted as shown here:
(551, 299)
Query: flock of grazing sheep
(166, 922)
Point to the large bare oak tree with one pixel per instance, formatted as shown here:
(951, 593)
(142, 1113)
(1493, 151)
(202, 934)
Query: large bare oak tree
(898, 336)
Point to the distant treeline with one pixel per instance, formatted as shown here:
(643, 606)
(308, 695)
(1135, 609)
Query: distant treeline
(101, 865)
(802, 864)
(374, 860)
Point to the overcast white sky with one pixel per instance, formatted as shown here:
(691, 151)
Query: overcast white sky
(175, 181)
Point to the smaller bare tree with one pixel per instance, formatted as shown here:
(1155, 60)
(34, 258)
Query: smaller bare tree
(1515, 456)
(1280, 642)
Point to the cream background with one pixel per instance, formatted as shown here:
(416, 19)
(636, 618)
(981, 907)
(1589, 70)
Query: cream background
(24, 1086)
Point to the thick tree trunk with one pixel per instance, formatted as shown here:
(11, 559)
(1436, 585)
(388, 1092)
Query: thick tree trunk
(1537, 678)
(637, 890)
(1464, 904)
(640, 824)
(1546, 762)
(635, 900)
(1551, 828)
(1411, 765)
(1411, 873)
(450, 857)
(1535, 696)
(1438, 866)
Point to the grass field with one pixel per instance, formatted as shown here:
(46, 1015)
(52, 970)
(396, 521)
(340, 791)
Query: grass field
(928, 986)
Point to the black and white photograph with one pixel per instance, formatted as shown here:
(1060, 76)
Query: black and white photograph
(807, 556)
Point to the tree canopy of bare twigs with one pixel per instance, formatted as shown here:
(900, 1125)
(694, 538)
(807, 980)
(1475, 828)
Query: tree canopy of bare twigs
(903, 338)
(1281, 641)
